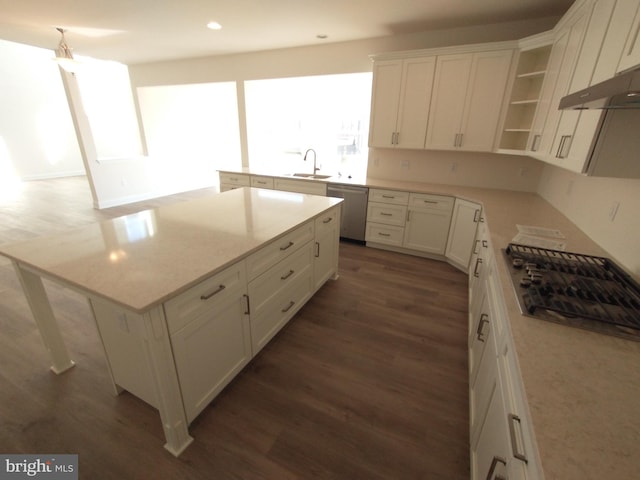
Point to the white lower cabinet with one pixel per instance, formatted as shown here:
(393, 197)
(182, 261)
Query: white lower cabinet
(230, 181)
(300, 186)
(325, 262)
(428, 220)
(415, 223)
(277, 294)
(464, 223)
(501, 438)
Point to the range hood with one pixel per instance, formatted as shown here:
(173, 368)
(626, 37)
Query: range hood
(619, 92)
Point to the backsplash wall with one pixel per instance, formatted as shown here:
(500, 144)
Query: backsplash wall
(606, 209)
(486, 170)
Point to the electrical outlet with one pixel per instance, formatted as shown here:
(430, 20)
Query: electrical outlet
(523, 171)
(613, 210)
(405, 164)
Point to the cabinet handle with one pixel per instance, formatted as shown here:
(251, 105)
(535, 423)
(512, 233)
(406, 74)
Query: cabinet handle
(327, 220)
(385, 214)
(564, 147)
(384, 234)
(492, 468)
(397, 138)
(455, 140)
(431, 202)
(290, 244)
(485, 243)
(514, 441)
(388, 196)
(476, 271)
(460, 139)
(248, 312)
(484, 319)
(476, 216)
(408, 215)
(535, 143)
(216, 291)
(317, 249)
(287, 275)
(288, 307)
(475, 247)
(393, 138)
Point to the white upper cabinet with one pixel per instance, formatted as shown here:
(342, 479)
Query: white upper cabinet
(631, 53)
(467, 94)
(400, 102)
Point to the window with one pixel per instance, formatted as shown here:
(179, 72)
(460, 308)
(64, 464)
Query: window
(329, 113)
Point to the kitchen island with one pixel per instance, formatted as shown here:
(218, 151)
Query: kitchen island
(205, 281)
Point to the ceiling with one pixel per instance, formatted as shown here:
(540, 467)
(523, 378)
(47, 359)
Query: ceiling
(139, 31)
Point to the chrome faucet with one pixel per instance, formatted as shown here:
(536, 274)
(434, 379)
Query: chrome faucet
(315, 169)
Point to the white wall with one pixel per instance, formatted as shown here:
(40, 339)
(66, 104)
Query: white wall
(35, 123)
(588, 202)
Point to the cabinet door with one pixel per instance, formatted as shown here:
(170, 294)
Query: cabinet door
(415, 99)
(574, 37)
(576, 129)
(387, 78)
(631, 53)
(427, 230)
(487, 84)
(462, 233)
(210, 351)
(325, 263)
(448, 101)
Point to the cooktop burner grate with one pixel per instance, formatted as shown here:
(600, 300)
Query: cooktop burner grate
(575, 286)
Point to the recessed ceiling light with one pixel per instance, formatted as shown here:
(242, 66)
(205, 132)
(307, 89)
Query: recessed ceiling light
(214, 26)
(322, 36)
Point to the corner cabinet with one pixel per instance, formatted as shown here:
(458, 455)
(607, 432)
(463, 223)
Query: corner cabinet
(400, 102)
(464, 223)
(467, 94)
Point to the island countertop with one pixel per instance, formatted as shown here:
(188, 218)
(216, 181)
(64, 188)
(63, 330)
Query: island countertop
(140, 260)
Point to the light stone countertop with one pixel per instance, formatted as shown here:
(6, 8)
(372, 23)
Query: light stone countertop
(140, 260)
(583, 388)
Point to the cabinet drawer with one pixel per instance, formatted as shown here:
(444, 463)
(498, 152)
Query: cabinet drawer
(386, 214)
(206, 295)
(284, 246)
(261, 182)
(328, 220)
(280, 276)
(387, 234)
(388, 196)
(238, 179)
(279, 310)
(310, 187)
(432, 202)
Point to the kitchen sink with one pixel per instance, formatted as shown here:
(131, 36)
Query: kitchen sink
(311, 175)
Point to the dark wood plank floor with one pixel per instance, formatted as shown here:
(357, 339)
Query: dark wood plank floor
(368, 381)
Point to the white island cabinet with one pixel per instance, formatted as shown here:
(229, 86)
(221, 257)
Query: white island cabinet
(180, 293)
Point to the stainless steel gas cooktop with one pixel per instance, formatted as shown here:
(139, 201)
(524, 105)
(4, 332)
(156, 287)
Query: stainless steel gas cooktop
(578, 290)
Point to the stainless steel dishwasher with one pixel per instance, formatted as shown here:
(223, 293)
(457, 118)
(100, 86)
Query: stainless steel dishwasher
(354, 209)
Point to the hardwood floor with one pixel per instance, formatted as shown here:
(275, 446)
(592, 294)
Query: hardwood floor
(368, 381)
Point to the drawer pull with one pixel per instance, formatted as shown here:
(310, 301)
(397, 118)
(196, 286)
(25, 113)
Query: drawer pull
(431, 202)
(290, 244)
(484, 319)
(476, 216)
(317, 249)
(327, 220)
(492, 468)
(215, 292)
(389, 196)
(248, 312)
(384, 234)
(475, 247)
(288, 307)
(287, 275)
(514, 441)
(385, 214)
(476, 270)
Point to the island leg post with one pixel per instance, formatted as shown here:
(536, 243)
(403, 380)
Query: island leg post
(43, 314)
